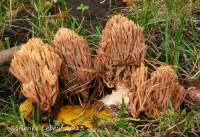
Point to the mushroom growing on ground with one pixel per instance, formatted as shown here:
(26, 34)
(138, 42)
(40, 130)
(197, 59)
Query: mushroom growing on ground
(140, 92)
(153, 96)
(37, 67)
(77, 61)
(122, 49)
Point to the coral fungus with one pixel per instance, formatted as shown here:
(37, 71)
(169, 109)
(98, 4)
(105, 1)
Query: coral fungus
(122, 49)
(153, 96)
(77, 60)
(37, 66)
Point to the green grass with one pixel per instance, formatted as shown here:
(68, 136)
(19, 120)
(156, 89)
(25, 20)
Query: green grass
(13, 123)
(169, 21)
(170, 32)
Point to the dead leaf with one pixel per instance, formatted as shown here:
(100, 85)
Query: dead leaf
(79, 116)
(27, 110)
(129, 2)
(194, 94)
(76, 117)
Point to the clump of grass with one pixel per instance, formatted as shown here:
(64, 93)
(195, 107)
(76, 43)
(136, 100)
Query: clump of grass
(166, 27)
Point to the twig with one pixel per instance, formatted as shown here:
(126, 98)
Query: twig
(7, 54)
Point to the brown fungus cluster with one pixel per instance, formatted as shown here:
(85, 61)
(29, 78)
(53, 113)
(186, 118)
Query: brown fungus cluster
(120, 60)
(37, 67)
(119, 63)
(122, 49)
(77, 61)
(153, 96)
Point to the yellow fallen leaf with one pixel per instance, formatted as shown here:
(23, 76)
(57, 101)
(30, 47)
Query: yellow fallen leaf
(87, 117)
(27, 110)
(74, 116)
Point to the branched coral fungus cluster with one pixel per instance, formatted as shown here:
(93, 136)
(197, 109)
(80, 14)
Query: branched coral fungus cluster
(153, 95)
(77, 61)
(119, 63)
(37, 67)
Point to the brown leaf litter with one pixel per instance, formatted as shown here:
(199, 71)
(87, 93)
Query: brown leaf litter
(193, 95)
(128, 2)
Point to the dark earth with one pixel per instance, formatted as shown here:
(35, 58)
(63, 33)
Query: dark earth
(20, 29)
(98, 10)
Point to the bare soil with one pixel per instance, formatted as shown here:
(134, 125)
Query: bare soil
(98, 11)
